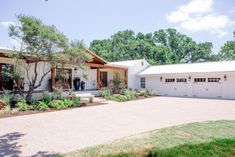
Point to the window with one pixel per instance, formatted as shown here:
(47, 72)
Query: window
(199, 79)
(217, 79)
(142, 82)
(168, 80)
(181, 80)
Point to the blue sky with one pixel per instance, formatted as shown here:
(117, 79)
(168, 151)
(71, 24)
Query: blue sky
(203, 20)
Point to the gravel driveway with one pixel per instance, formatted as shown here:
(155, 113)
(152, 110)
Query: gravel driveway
(64, 131)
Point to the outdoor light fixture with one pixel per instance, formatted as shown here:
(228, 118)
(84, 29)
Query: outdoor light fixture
(225, 77)
(161, 78)
(189, 77)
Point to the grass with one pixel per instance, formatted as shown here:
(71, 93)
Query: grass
(204, 139)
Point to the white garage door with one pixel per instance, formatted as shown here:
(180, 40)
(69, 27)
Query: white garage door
(175, 87)
(207, 87)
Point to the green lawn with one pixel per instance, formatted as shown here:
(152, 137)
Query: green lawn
(205, 139)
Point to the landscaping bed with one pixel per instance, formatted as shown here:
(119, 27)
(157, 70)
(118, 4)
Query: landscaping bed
(48, 103)
(201, 139)
(127, 94)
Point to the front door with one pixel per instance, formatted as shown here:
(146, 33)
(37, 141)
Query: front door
(6, 82)
(104, 78)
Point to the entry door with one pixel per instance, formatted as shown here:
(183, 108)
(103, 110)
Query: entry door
(104, 78)
(5, 80)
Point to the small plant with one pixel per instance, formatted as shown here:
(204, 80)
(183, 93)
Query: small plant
(129, 94)
(22, 105)
(68, 103)
(14, 110)
(57, 104)
(46, 97)
(91, 99)
(106, 94)
(6, 97)
(76, 101)
(58, 93)
(42, 106)
(5, 110)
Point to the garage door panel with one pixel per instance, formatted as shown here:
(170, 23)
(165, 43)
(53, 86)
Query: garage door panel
(207, 90)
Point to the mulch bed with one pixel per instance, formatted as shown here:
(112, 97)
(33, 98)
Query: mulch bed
(29, 112)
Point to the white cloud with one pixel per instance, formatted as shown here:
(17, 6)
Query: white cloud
(11, 44)
(198, 15)
(6, 24)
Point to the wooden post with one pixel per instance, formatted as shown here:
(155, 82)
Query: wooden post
(126, 78)
(53, 77)
(98, 78)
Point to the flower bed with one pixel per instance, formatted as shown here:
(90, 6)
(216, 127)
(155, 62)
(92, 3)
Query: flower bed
(49, 102)
(127, 95)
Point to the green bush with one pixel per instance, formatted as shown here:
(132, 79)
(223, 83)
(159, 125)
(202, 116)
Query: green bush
(42, 106)
(68, 102)
(5, 110)
(22, 105)
(106, 94)
(46, 97)
(57, 94)
(118, 97)
(91, 99)
(6, 97)
(57, 104)
(117, 84)
(76, 101)
(129, 94)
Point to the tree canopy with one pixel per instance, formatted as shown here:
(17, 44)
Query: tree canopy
(227, 51)
(43, 44)
(161, 47)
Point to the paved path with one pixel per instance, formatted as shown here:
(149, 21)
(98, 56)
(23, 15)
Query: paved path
(69, 130)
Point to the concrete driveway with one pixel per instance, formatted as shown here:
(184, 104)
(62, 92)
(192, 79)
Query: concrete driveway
(64, 131)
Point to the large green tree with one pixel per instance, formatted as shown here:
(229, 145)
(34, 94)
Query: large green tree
(161, 47)
(227, 51)
(40, 44)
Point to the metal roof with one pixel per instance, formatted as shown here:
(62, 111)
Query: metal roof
(224, 66)
(128, 63)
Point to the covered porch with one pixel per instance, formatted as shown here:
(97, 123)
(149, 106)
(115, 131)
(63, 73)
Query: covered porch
(96, 76)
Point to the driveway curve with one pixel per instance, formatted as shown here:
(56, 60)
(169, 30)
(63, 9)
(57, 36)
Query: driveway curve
(63, 131)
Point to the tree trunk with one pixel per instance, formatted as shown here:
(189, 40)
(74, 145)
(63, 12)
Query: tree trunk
(29, 95)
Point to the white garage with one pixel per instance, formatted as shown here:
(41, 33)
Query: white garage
(202, 80)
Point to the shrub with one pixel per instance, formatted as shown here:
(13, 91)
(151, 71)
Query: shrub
(42, 106)
(14, 110)
(22, 105)
(57, 94)
(6, 97)
(106, 94)
(68, 102)
(76, 101)
(118, 97)
(6, 109)
(117, 85)
(129, 94)
(57, 104)
(46, 97)
(91, 99)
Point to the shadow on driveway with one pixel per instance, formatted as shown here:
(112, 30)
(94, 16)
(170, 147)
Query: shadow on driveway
(9, 146)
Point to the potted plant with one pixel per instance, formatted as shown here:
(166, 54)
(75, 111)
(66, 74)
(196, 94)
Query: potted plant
(82, 85)
(77, 83)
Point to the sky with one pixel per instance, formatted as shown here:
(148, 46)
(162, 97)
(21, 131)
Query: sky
(87, 20)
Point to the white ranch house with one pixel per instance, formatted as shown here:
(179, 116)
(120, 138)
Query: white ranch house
(200, 80)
